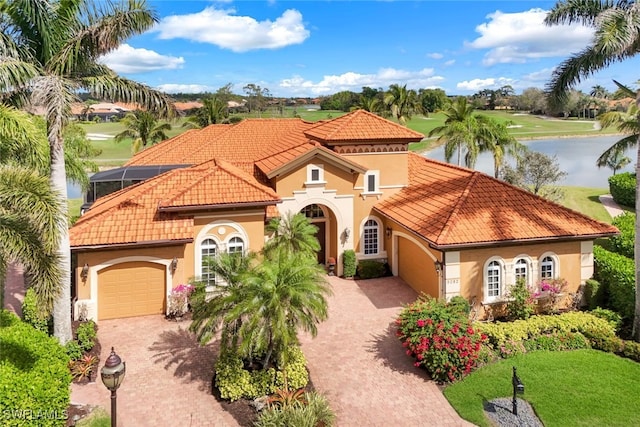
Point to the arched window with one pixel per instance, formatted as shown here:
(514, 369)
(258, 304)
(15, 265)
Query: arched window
(208, 249)
(522, 270)
(312, 211)
(370, 237)
(235, 246)
(547, 268)
(494, 280)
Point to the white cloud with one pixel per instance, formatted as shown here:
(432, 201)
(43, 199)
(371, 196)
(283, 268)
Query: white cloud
(238, 33)
(352, 81)
(127, 59)
(435, 55)
(184, 88)
(450, 62)
(489, 83)
(522, 37)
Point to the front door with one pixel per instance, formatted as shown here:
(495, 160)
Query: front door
(321, 236)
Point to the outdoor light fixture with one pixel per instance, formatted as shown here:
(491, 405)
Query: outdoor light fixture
(438, 265)
(173, 265)
(518, 388)
(112, 374)
(85, 271)
(347, 233)
(389, 230)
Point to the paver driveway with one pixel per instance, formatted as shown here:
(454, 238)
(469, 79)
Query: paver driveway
(355, 360)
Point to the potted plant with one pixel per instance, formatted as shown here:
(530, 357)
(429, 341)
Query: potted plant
(331, 262)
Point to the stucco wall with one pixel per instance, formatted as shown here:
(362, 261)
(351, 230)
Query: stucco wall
(417, 268)
(472, 264)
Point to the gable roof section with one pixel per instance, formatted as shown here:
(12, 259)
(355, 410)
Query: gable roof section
(145, 213)
(452, 206)
(291, 159)
(361, 126)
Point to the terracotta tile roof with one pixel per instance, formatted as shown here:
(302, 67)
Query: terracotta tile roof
(359, 126)
(246, 142)
(142, 213)
(184, 106)
(450, 206)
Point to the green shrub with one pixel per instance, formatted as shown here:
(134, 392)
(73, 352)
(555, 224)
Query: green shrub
(74, 351)
(631, 350)
(609, 315)
(623, 188)
(595, 294)
(459, 304)
(623, 243)
(557, 341)
(520, 304)
(87, 335)
(587, 324)
(316, 412)
(371, 269)
(32, 315)
(617, 274)
(34, 375)
(349, 263)
(235, 382)
(440, 338)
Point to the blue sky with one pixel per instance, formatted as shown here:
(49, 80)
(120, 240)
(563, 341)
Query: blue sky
(315, 48)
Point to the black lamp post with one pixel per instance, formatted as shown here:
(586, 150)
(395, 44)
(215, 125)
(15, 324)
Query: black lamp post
(112, 374)
(518, 388)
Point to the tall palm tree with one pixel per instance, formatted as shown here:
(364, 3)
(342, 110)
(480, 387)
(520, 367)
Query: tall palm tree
(494, 137)
(30, 225)
(214, 110)
(460, 130)
(372, 105)
(143, 128)
(616, 38)
(50, 51)
(599, 91)
(403, 103)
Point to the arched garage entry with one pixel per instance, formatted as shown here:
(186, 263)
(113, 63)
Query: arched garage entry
(130, 289)
(415, 265)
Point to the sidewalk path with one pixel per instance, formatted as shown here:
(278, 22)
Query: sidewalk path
(610, 205)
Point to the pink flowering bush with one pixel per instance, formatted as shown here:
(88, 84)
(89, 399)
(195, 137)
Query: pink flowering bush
(178, 301)
(440, 338)
(549, 294)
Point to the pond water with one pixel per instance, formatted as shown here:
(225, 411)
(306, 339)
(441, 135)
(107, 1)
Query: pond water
(576, 156)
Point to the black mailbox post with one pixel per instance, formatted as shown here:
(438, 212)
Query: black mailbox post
(518, 388)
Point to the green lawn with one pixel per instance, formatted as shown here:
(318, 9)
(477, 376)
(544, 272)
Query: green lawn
(585, 200)
(573, 388)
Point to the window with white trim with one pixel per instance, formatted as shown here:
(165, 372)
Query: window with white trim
(494, 280)
(521, 270)
(372, 182)
(235, 246)
(370, 237)
(208, 249)
(315, 174)
(547, 268)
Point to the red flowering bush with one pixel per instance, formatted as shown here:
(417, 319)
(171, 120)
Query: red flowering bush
(440, 337)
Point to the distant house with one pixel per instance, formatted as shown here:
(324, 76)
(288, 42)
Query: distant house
(444, 229)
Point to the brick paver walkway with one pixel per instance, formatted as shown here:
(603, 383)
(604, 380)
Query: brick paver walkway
(355, 360)
(358, 363)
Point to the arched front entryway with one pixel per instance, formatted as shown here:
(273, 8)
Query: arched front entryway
(325, 220)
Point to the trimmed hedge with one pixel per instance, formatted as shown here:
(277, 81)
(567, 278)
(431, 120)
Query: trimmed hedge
(34, 375)
(235, 382)
(617, 274)
(31, 315)
(595, 295)
(349, 263)
(623, 243)
(623, 188)
(371, 269)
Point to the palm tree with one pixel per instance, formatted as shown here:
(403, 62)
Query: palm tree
(49, 52)
(599, 91)
(213, 111)
(460, 130)
(293, 232)
(616, 38)
(494, 137)
(626, 122)
(30, 225)
(143, 128)
(372, 105)
(402, 103)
